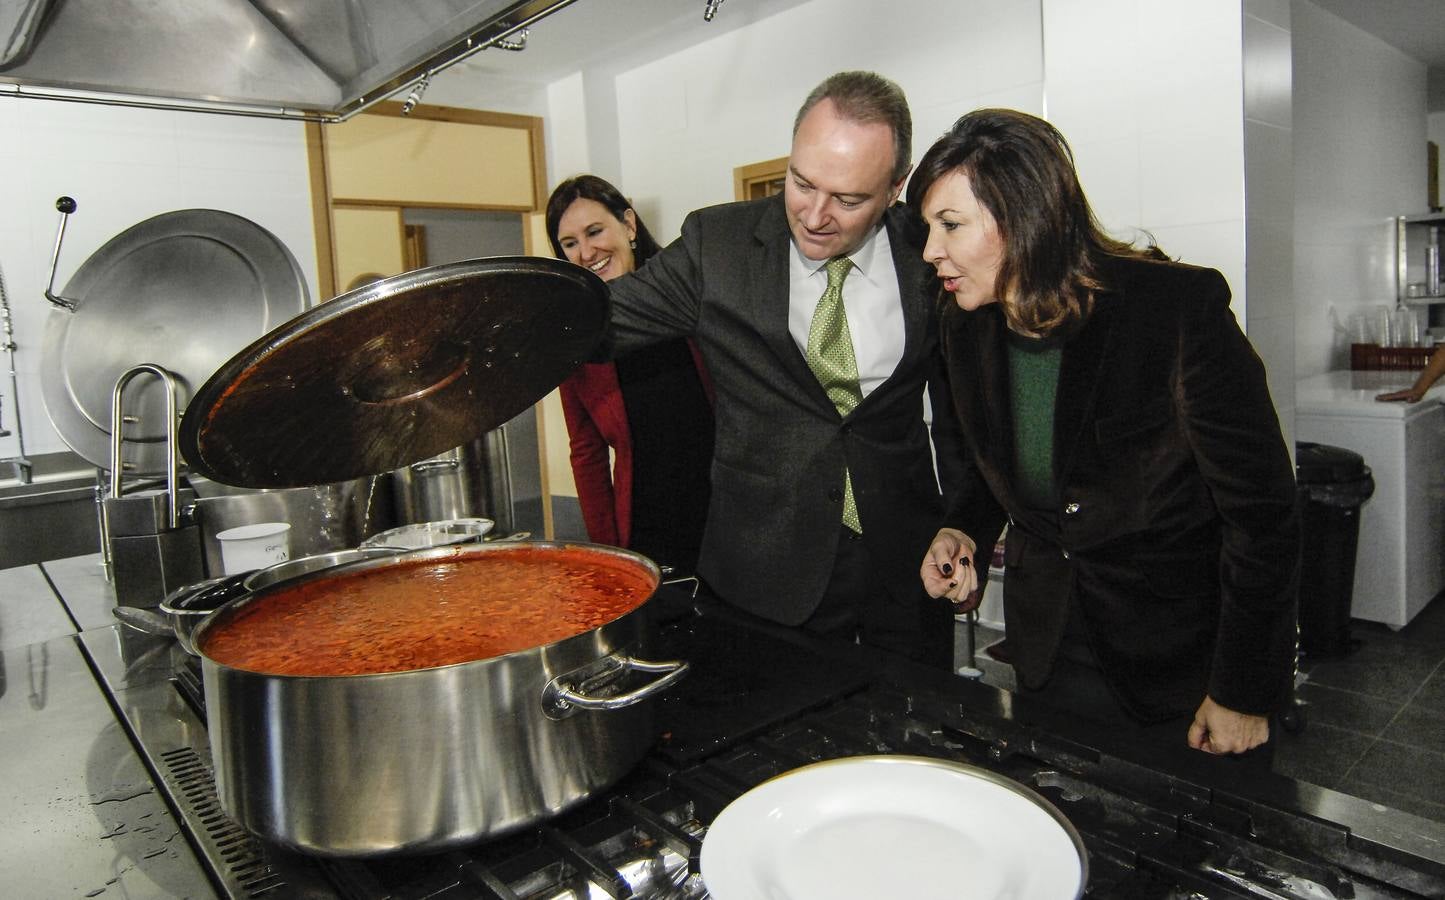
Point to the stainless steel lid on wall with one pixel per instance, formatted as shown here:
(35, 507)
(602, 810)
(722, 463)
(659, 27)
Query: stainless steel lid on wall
(398, 371)
(183, 290)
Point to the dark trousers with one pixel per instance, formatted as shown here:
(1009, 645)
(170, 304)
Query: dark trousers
(858, 606)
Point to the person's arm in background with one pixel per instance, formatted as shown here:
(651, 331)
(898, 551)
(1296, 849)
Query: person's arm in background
(1433, 370)
(591, 469)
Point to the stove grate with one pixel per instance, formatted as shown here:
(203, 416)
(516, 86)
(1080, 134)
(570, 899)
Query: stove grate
(1148, 834)
(242, 856)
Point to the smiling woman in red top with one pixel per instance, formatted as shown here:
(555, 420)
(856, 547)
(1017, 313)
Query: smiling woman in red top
(652, 408)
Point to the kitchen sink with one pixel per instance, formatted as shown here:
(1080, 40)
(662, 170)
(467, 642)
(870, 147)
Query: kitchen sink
(51, 518)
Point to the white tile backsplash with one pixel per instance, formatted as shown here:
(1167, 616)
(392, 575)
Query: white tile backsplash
(1195, 176)
(123, 166)
(1109, 173)
(1218, 245)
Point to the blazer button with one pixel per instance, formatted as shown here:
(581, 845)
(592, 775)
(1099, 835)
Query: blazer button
(835, 495)
(1066, 554)
(848, 428)
(1070, 509)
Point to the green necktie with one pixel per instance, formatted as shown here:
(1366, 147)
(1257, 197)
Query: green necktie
(830, 356)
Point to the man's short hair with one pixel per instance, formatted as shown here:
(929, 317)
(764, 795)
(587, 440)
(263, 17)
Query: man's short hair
(868, 97)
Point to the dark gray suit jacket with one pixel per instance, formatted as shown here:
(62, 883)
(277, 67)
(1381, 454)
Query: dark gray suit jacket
(777, 476)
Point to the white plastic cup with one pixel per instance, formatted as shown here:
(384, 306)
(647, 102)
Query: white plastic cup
(249, 547)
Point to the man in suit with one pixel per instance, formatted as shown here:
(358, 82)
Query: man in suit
(821, 504)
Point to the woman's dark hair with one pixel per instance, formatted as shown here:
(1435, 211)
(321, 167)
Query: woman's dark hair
(1022, 171)
(590, 187)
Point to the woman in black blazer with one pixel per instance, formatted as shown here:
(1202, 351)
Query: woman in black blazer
(1119, 422)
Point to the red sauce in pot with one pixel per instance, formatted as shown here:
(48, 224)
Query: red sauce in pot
(430, 612)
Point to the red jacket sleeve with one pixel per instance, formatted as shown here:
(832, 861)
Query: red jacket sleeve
(590, 434)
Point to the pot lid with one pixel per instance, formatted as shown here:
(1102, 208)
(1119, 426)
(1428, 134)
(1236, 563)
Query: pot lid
(182, 290)
(395, 372)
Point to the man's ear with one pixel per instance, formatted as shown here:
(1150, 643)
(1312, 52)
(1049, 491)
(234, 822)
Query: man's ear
(897, 187)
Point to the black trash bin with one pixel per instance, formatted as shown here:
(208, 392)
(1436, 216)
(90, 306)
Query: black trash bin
(1333, 484)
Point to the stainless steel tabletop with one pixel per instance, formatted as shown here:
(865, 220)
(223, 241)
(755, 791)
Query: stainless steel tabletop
(82, 817)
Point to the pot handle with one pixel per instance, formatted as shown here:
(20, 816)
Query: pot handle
(566, 694)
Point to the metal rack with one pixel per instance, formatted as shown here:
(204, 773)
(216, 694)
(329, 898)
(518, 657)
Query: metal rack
(1418, 239)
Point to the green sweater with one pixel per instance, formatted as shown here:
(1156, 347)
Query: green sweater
(1033, 369)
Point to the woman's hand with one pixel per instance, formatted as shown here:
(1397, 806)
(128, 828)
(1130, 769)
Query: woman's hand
(948, 570)
(1409, 395)
(1222, 731)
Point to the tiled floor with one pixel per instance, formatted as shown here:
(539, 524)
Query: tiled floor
(1374, 719)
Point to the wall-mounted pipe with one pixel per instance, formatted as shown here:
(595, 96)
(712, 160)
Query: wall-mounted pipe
(23, 469)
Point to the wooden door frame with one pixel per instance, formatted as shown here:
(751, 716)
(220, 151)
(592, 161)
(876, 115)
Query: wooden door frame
(322, 200)
(745, 178)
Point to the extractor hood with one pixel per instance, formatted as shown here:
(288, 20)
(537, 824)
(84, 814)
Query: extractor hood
(321, 60)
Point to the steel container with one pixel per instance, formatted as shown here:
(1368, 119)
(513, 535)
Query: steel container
(323, 518)
(422, 760)
(457, 484)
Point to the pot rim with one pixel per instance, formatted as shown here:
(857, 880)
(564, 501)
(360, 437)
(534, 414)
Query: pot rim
(232, 607)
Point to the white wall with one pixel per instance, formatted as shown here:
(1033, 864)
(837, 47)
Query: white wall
(683, 122)
(1158, 101)
(1359, 160)
(1162, 151)
(461, 85)
(1180, 119)
(123, 166)
(1149, 96)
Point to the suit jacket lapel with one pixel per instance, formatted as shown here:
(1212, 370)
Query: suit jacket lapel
(1080, 374)
(991, 387)
(914, 276)
(914, 279)
(768, 272)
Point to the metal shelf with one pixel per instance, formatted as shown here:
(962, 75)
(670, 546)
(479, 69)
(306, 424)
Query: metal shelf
(1412, 236)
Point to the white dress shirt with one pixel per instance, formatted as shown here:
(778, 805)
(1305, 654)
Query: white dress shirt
(870, 297)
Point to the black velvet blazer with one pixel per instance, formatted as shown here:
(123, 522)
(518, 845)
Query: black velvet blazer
(1174, 524)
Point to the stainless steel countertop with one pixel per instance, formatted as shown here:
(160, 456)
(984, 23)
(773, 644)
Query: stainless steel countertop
(82, 816)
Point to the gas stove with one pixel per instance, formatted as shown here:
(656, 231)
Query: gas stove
(760, 702)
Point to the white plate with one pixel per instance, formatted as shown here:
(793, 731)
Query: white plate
(892, 826)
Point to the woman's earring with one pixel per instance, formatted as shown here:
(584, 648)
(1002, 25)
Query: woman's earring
(632, 244)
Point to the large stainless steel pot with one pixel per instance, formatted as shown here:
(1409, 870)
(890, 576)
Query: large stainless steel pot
(422, 760)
